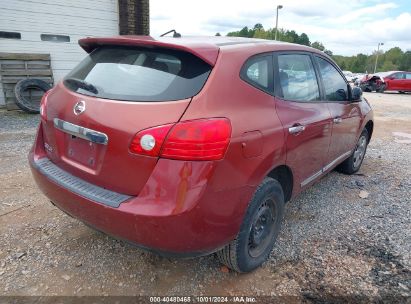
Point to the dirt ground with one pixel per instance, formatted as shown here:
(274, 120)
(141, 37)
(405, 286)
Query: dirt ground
(333, 242)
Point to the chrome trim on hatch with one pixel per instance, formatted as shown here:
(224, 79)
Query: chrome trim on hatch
(324, 169)
(79, 131)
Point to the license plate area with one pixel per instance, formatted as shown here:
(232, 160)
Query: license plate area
(81, 147)
(82, 151)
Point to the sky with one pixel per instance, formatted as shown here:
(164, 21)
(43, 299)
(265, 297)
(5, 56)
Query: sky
(346, 27)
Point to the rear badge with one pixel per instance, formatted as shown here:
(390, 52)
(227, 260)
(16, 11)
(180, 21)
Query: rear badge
(79, 107)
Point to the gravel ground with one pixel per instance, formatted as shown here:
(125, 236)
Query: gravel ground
(333, 243)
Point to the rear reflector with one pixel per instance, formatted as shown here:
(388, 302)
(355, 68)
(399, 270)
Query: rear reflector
(144, 144)
(203, 139)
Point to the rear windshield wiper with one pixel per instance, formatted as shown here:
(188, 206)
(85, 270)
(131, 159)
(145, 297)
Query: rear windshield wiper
(78, 83)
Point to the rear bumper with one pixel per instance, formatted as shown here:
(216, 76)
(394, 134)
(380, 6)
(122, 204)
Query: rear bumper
(175, 215)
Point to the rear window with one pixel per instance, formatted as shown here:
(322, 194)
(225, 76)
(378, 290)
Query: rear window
(138, 74)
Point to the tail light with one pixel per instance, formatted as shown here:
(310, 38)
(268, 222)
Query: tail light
(203, 139)
(149, 141)
(43, 104)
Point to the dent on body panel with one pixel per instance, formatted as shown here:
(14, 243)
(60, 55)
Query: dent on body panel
(251, 154)
(252, 144)
(174, 187)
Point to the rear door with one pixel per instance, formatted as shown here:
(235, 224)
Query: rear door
(397, 81)
(346, 118)
(94, 113)
(402, 82)
(306, 120)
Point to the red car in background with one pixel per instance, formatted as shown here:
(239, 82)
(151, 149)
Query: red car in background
(387, 81)
(189, 146)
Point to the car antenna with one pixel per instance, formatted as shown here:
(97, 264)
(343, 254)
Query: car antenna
(175, 34)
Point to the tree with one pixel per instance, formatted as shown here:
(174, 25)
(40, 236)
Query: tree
(405, 62)
(359, 64)
(244, 32)
(218, 34)
(393, 55)
(393, 59)
(258, 26)
(389, 66)
(291, 36)
(261, 34)
(318, 45)
(303, 39)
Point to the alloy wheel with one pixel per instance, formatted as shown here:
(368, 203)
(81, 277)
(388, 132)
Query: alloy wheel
(360, 151)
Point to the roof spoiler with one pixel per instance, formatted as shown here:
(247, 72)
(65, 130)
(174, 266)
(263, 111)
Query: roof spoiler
(205, 51)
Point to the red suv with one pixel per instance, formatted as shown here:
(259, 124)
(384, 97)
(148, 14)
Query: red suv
(189, 146)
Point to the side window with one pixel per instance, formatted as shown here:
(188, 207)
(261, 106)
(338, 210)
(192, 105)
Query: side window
(408, 76)
(334, 84)
(297, 78)
(398, 76)
(256, 71)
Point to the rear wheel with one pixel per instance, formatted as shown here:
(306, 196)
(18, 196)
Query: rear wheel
(353, 163)
(365, 88)
(259, 229)
(381, 89)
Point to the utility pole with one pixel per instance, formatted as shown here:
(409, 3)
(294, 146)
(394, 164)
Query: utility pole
(376, 59)
(276, 21)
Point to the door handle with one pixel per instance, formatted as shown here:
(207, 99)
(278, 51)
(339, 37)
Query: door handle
(337, 120)
(295, 130)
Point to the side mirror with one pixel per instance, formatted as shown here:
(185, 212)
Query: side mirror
(356, 94)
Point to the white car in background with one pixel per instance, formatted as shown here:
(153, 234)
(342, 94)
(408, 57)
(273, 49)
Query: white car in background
(349, 76)
(358, 77)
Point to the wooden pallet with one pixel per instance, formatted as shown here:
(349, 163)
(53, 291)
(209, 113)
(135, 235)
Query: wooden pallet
(17, 66)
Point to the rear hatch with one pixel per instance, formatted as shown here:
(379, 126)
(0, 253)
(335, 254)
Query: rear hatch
(91, 117)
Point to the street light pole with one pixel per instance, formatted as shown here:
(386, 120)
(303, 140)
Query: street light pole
(276, 21)
(376, 59)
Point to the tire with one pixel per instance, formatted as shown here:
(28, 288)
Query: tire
(23, 102)
(401, 92)
(257, 237)
(352, 164)
(365, 88)
(381, 89)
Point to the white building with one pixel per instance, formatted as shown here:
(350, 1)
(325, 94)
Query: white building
(54, 27)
